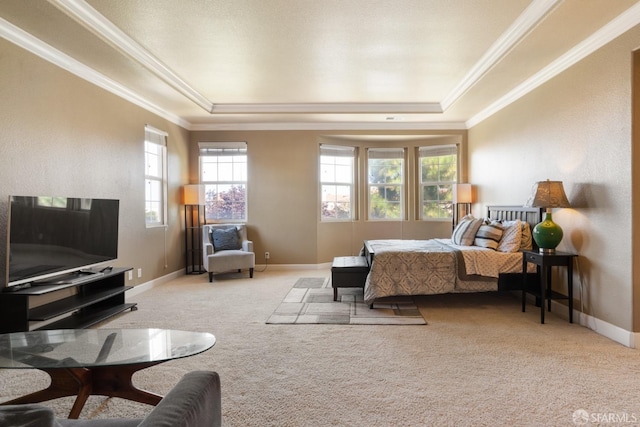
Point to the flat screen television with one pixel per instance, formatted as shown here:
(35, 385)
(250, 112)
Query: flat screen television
(49, 237)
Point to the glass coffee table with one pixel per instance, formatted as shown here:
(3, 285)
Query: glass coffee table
(84, 362)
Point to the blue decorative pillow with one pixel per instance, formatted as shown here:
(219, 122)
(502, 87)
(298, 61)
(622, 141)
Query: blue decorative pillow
(225, 239)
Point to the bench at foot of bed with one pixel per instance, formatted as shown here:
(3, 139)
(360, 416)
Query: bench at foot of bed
(348, 272)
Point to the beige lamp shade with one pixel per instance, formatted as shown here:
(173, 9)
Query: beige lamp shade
(462, 193)
(548, 194)
(193, 194)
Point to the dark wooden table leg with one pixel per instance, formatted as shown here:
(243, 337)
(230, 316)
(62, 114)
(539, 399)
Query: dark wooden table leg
(570, 290)
(549, 270)
(116, 381)
(543, 292)
(112, 381)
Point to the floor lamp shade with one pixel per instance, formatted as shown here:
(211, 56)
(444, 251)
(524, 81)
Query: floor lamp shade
(548, 194)
(193, 200)
(193, 194)
(462, 193)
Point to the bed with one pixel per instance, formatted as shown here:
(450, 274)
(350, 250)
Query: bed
(475, 259)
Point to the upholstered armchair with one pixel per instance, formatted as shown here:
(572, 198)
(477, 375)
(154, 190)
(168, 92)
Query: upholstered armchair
(195, 401)
(226, 248)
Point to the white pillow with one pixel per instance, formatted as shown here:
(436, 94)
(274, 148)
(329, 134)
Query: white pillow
(489, 234)
(465, 231)
(526, 244)
(511, 236)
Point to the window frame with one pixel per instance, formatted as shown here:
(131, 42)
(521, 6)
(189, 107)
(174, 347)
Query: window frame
(338, 151)
(158, 138)
(399, 153)
(437, 151)
(232, 149)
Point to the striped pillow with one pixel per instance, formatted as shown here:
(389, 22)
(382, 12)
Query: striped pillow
(489, 234)
(465, 231)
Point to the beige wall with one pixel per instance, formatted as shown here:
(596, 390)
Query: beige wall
(577, 129)
(63, 136)
(283, 192)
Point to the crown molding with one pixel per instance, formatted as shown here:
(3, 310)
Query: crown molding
(326, 126)
(616, 27)
(389, 108)
(95, 22)
(522, 26)
(47, 52)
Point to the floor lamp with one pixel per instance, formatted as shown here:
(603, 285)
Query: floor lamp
(462, 195)
(193, 199)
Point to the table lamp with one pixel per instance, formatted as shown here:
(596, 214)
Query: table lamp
(547, 194)
(462, 195)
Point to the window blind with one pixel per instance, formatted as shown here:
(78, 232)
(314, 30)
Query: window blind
(222, 148)
(336, 150)
(438, 150)
(154, 135)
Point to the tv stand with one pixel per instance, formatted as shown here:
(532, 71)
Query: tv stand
(73, 278)
(87, 299)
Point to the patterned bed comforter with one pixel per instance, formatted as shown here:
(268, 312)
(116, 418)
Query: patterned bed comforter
(425, 267)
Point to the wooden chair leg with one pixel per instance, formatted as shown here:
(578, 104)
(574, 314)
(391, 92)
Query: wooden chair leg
(251, 273)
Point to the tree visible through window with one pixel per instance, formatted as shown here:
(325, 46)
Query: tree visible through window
(438, 174)
(336, 180)
(386, 183)
(223, 171)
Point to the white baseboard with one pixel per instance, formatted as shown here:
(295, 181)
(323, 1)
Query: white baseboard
(293, 267)
(613, 332)
(138, 289)
(606, 329)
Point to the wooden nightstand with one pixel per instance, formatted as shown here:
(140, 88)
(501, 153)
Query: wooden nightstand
(544, 262)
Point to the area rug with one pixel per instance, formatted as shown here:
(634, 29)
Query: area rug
(310, 301)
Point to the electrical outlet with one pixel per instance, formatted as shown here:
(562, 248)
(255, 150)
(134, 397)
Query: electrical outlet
(267, 255)
(130, 275)
(139, 272)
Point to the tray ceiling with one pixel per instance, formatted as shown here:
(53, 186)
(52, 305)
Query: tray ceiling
(309, 64)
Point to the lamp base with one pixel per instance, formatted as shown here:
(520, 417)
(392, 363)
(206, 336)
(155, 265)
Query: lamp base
(546, 251)
(547, 235)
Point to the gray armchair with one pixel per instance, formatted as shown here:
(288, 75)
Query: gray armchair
(226, 248)
(194, 402)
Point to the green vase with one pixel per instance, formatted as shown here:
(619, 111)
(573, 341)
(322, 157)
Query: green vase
(547, 234)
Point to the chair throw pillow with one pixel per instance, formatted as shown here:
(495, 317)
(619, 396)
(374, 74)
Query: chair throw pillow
(465, 232)
(225, 239)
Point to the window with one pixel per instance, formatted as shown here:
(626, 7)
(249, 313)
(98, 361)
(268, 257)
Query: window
(223, 171)
(336, 181)
(386, 183)
(155, 176)
(438, 174)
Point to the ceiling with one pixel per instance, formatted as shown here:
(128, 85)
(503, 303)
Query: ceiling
(317, 64)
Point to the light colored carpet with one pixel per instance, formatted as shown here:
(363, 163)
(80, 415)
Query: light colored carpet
(310, 301)
(480, 362)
